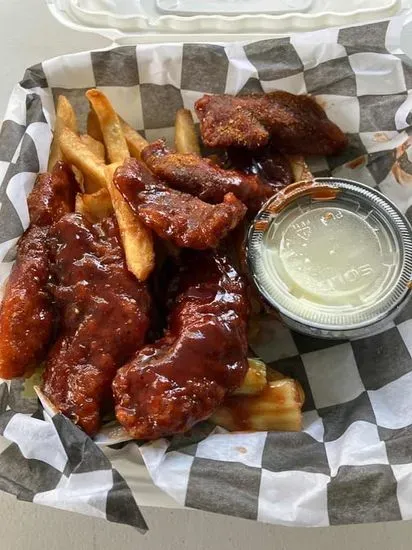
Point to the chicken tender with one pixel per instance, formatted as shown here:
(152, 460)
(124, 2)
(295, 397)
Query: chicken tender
(202, 178)
(104, 315)
(178, 217)
(293, 123)
(26, 312)
(181, 379)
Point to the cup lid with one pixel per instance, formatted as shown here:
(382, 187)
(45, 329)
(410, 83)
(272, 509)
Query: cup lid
(331, 253)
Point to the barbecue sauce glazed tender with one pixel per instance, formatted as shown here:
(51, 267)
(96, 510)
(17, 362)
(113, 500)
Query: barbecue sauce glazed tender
(184, 376)
(104, 316)
(27, 317)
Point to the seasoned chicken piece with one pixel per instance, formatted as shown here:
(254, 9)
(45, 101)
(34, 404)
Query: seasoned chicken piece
(177, 217)
(26, 313)
(181, 379)
(104, 317)
(53, 196)
(204, 179)
(26, 318)
(294, 123)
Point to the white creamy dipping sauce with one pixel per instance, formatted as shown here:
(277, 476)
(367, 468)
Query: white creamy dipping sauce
(332, 264)
(329, 255)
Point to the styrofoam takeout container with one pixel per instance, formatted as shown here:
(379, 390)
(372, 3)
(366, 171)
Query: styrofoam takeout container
(139, 21)
(131, 21)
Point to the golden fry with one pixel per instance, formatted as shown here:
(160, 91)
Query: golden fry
(77, 153)
(277, 408)
(273, 375)
(65, 118)
(78, 176)
(186, 140)
(113, 137)
(97, 206)
(93, 126)
(96, 147)
(135, 142)
(136, 237)
(94, 207)
(255, 379)
(300, 169)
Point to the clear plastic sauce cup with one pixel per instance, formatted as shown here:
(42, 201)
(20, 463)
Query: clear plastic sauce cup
(333, 256)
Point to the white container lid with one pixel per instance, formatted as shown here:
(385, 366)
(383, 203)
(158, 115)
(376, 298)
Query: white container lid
(128, 21)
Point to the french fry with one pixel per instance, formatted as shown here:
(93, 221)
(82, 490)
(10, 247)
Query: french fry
(78, 176)
(136, 237)
(273, 375)
(186, 140)
(95, 207)
(114, 140)
(255, 379)
(93, 126)
(65, 118)
(135, 142)
(95, 146)
(99, 204)
(277, 408)
(77, 153)
(300, 169)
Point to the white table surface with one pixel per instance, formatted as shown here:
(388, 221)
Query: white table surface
(28, 34)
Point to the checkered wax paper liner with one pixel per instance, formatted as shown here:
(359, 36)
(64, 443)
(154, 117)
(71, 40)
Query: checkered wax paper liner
(353, 461)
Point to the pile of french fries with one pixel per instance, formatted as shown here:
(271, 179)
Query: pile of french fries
(269, 401)
(266, 401)
(94, 157)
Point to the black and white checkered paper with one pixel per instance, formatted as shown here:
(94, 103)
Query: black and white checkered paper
(353, 461)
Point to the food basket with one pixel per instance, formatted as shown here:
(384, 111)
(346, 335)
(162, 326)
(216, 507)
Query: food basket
(352, 461)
